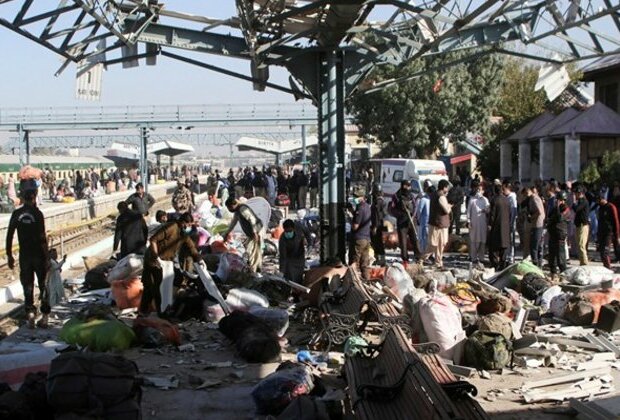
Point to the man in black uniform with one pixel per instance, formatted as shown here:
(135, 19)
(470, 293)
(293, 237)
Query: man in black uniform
(377, 212)
(456, 195)
(557, 226)
(131, 231)
(402, 207)
(33, 256)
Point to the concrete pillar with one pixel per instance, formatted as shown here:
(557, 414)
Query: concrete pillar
(525, 161)
(505, 159)
(572, 157)
(546, 158)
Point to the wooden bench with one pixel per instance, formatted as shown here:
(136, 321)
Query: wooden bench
(339, 303)
(379, 308)
(347, 309)
(392, 382)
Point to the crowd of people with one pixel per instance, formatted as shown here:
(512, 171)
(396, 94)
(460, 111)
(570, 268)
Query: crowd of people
(279, 185)
(544, 221)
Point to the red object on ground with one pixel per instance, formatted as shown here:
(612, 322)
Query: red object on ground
(127, 293)
(377, 272)
(598, 298)
(168, 330)
(218, 247)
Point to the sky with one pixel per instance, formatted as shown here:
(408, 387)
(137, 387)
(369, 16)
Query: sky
(27, 74)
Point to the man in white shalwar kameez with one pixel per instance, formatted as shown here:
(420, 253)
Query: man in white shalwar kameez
(477, 217)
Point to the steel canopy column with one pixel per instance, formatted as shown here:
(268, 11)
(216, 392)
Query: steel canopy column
(20, 134)
(331, 151)
(144, 175)
(303, 147)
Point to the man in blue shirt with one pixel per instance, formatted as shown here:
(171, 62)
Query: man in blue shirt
(360, 229)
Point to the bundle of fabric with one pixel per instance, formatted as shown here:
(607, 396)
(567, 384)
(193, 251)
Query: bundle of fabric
(254, 339)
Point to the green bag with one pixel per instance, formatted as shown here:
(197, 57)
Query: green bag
(98, 334)
(485, 350)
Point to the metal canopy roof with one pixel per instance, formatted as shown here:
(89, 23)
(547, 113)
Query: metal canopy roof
(273, 146)
(169, 148)
(289, 33)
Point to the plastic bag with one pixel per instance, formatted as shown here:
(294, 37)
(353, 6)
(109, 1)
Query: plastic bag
(398, 280)
(229, 262)
(243, 299)
(547, 297)
(588, 275)
(441, 320)
(274, 393)
(128, 267)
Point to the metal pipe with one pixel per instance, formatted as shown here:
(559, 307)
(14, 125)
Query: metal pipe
(303, 147)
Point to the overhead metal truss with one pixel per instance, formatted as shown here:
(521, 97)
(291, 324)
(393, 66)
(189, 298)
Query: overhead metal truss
(329, 47)
(157, 116)
(290, 33)
(104, 141)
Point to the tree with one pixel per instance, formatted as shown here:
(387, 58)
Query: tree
(590, 174)
(418, 114)
(518, 104)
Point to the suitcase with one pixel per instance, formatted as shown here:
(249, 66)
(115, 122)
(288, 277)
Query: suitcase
(609, 317)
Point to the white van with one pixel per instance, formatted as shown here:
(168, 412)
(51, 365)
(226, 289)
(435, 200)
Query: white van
(390, 172)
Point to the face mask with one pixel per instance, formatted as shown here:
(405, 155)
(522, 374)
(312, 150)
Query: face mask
(187, 230)
(289, 235)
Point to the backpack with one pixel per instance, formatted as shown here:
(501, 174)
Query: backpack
(97, 385)
(485, 350)
(533, 286)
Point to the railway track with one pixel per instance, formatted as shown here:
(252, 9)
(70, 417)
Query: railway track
(72, 238)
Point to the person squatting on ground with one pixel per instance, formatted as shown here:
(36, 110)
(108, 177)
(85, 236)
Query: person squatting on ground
(292, 248)
(477, 220)
(34, 256)
(439, 221)
(557, 226)
(402, 207)
(360, 231)
(377, 214)
(165, 245)
(252, 228)
(608, 228)
(130, 232)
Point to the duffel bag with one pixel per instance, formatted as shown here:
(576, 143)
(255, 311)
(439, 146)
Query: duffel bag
(97, 385)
